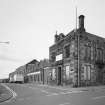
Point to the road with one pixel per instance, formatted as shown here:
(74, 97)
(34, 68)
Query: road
(29, 94)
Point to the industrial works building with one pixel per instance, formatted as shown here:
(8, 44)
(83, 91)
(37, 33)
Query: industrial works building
(78, 58)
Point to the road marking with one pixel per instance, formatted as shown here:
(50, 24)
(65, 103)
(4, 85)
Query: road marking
(61, 88)
(32, 88)
(55, 87)
(65, 104)
(95, 98)
(13, 93)
(77, 91)
(66, 92)
(53, 94)
(70, 91)
(62, 92)
(45, 91)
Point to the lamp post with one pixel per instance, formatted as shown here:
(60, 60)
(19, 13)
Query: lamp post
(5, 42)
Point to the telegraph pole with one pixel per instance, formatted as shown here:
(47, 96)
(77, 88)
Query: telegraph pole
(78, 58)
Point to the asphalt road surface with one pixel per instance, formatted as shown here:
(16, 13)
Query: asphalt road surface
(29, 94)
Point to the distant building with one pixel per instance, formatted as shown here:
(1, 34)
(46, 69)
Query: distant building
(78, 58)
(11, 77)
(18, 73)
(31, 70)
(44, 67)
(40, 72)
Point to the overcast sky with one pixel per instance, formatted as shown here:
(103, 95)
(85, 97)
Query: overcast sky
(30, 26)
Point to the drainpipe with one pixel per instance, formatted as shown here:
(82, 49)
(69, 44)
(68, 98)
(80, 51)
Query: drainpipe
(78, 48)
(43, 75)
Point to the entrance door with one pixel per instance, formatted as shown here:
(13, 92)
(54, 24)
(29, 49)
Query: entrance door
(59, 75)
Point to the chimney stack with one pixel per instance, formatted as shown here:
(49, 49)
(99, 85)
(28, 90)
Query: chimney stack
(81, 23)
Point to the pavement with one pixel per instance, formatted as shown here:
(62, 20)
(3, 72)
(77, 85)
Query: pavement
(88, 88)
(5, 93)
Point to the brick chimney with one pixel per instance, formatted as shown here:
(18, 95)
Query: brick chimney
(81, 23)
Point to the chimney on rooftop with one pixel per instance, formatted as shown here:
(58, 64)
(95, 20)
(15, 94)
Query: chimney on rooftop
(81, 23)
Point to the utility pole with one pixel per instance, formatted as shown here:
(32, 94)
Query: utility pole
(78, 47)
(78, 58)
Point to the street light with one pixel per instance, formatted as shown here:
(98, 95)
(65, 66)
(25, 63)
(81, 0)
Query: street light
(5, 42)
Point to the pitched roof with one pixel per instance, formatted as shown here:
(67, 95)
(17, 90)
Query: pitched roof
(33, 61)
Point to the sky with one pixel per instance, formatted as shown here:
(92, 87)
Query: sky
(30, 26)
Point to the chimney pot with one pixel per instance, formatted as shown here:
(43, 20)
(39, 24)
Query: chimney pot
(81, 22)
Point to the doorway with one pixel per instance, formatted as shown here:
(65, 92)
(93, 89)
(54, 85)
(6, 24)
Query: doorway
(59, 75)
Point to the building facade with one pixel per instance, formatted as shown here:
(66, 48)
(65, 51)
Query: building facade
(37, 72)
(78, 58)
(44, 67)
(32, 71)
(19, 72)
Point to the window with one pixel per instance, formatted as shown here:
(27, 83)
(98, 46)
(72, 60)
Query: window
(92, 53)
(53, 74)
(88, 52)
(99, 54)
(67, 72)
(87, 72)
(67, 51)
(53, 57)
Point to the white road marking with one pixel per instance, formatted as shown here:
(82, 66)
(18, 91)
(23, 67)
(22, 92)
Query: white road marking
(53, 94)
(54, 87)
(33, 88)
(65, 104)
(13, 93)
(66, 92)
(45, 91)
(63, 92)
(75, 91)
(95, 98)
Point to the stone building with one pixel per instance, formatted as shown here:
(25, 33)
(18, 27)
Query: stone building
(32, 71)
(78, 58)
(44, 67)
(37, 72)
